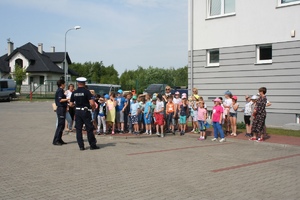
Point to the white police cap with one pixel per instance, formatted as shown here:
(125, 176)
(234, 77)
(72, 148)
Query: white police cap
(81, 79)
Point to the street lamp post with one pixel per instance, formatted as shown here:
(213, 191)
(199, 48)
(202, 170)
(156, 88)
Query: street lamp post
(65, 59)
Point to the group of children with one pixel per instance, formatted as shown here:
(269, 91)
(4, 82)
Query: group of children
(167, 113)
(144, 113)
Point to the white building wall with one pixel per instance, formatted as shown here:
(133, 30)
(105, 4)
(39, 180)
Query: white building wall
(13, 60)
(255, 22)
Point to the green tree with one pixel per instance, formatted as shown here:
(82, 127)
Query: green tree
(139, 79)
(181, 76)
(109, 75)
(20, 75)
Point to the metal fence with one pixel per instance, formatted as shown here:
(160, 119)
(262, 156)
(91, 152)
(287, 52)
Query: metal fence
(46, 90)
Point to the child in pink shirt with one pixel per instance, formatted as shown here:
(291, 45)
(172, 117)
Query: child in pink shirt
(217, 117)
(201, 115)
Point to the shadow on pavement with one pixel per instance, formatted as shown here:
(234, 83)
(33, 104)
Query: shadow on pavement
(107, 145)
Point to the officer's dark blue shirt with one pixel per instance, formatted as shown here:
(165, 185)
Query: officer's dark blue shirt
(81, 97)
(58, 96)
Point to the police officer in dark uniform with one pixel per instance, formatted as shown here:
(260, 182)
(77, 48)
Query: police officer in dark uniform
(84, 104)
(61, 102)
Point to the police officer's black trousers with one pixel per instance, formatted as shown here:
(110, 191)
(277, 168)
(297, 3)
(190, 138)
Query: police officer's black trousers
(61, 117)
(84, 117)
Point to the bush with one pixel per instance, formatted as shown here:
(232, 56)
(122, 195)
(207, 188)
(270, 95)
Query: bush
(241, 125)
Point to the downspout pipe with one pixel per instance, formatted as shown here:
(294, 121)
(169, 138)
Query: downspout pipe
(192, 43)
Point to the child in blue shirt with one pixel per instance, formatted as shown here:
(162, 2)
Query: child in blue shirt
(134, 112)
(148, 114)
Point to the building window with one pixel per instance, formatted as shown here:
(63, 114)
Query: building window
(288, 2)
(220, 8)
(264, 54)
(19, 62)
(213, 57)
(298, 119)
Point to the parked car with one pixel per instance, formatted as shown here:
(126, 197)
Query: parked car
(103, 89)
(156, 88)
(7, 89)
(181, 91)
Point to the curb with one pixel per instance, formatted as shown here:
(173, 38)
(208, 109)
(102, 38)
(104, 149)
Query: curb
(253, 142)
(191, 135)
(122, 136)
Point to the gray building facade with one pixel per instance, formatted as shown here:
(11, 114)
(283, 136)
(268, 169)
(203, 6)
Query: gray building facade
(244, 45)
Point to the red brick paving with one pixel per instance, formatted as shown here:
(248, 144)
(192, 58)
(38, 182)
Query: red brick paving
(177, 149)
(254, 163)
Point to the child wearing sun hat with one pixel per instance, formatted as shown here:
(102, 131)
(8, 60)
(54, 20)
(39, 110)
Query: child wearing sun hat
(217, 117)
(183, 113)
(247, 115)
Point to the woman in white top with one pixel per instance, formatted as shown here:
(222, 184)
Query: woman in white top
(177, 102)
(233, 115)
(227, 104)
(70, 110)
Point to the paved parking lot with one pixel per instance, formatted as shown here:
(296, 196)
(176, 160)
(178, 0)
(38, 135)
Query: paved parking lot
(173, 167)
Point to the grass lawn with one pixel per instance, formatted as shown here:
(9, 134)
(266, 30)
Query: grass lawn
(278, 131)
(271, 131)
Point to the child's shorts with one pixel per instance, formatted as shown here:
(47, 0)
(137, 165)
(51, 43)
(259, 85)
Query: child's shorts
(201, 125)
(120, 117)
(134, 119)
(233, 115)
(159, 119)
(147, 120)
(182, 119)
(247, 119)
(195, 116)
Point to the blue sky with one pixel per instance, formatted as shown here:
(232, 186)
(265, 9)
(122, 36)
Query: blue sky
(126, 33)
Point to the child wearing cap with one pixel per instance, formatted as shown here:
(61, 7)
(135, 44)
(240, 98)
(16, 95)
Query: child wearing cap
(183, 113)
(247, 115)
(227, 103)
(120, 111)
(159, 115)
(134, 112)
(170, 113)
(217, 117)
(101, 116)
(177, 102)
(233, 115)
(148, 114)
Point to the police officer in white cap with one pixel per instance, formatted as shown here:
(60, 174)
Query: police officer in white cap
(84, 104)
